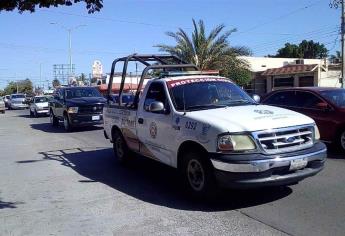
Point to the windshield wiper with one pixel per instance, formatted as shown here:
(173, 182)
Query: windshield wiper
(205, 106)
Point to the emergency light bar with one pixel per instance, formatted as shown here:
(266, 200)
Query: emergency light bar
(182, 73)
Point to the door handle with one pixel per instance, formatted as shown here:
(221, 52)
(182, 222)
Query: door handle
(140, 120)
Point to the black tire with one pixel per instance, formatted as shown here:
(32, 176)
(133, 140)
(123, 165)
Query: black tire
(198, 175)
(53, 119)
(66, 123)
(341, 141)
(120, 147)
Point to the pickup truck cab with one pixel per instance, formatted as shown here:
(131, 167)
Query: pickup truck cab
(76, 106)
(214, 133)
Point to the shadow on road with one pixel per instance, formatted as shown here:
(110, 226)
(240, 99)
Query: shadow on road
(334, 152)
(31, 117)
(153, 182)
(4, 205)
(47, 127)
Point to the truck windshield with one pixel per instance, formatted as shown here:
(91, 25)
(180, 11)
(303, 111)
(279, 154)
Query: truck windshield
(82, 92)
(41, 99)
(18, 96)
(198, 94)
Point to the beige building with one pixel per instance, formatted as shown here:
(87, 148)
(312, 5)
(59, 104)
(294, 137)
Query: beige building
(270, 74)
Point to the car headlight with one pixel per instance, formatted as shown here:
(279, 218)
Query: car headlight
(73, 110)
(235, 142)
(317, 133)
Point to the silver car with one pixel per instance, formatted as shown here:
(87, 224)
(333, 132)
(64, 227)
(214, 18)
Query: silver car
(17, 101)
(2, 105)
(7, 100)
(39, 106)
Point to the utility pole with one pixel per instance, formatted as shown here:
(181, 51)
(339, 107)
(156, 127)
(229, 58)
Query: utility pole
(335, 4)
(342, 34)
(69, 30)
(70, 52)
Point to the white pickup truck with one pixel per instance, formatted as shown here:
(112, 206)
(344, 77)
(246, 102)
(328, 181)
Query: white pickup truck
(212, 131)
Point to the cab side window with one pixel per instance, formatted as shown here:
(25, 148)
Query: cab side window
(307, 100)
(286, 98)
(156, 93)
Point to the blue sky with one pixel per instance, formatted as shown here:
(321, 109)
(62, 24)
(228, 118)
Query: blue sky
(126, 26)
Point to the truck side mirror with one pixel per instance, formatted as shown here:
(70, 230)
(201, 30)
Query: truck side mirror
(156, 107)
(256, 98)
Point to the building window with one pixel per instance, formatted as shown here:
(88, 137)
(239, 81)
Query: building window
(306, 81)
(283, 82)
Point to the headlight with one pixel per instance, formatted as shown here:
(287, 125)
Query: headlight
(73, 110)
(317, 133)
(235, 142)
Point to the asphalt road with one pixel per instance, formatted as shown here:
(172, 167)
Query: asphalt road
(57, 183)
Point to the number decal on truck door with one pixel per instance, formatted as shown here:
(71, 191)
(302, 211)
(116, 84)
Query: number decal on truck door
(191, 125)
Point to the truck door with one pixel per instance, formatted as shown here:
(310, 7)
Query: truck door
(155, 129)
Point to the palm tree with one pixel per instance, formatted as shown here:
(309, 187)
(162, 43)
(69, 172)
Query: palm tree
(210, 51)
(336, 58)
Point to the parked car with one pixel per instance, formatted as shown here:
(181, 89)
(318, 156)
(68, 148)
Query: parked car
(39, 106)
(76, 106)
(325, 105)
(7, 100)
(212, 131)
(17, 101)
(2, 105)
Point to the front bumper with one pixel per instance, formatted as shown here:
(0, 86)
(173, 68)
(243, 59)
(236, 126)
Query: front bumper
(18, 106)
(85, 119)
(271, 171)
(43, 111)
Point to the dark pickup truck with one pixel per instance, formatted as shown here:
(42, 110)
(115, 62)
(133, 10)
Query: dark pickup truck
(76, 106)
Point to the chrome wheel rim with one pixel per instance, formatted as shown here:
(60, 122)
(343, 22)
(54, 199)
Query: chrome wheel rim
(196, 175)
(51, 118)
(119, 147)
(65, 123)
(342, 140)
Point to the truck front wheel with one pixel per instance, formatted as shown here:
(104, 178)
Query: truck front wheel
(198, 174)
(120, 148)
(53, 119)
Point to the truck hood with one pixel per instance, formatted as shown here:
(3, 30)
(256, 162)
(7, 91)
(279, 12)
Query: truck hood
(249, 118)
(85, 101)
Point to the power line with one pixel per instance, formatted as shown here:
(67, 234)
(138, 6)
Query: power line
(280, 17)
(115, 20)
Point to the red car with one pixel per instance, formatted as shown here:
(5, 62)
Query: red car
(325, 105)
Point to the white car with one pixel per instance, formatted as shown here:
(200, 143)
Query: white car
(39, 106)
(2, 105)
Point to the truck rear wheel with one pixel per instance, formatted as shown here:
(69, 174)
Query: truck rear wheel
(198, 175)
(120, 148)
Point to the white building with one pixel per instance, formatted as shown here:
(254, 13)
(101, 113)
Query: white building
(270, 74)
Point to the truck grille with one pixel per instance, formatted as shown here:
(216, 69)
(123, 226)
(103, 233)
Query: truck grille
(91, 109)
(286, 139)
